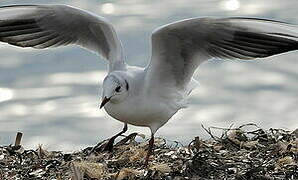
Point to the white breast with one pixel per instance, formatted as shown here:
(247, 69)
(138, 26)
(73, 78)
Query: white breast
(141, 112)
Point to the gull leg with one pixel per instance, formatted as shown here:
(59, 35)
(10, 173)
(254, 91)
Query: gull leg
(150, 149)
(109, 146)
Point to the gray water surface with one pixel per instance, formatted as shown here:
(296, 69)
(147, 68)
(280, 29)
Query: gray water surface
(52, 96)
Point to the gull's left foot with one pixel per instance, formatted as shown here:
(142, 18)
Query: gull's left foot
(110, 144)
(132, 136)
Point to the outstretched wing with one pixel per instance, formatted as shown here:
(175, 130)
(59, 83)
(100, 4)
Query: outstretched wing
(179, 48)
(43, 26)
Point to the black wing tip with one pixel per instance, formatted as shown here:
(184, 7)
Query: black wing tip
(18, 5)
(273, 45)
(260, 19)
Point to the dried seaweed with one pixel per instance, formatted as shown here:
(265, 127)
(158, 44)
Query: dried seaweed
(243, 153)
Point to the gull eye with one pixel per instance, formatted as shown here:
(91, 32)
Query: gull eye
(118, 89)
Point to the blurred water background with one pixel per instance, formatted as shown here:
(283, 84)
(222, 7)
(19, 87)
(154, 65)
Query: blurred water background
(52, 96)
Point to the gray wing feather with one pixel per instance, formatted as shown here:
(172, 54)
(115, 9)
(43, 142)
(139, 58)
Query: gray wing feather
(179, 48)
(44, 26)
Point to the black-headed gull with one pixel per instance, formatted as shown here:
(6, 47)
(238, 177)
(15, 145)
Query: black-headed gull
(147, 96)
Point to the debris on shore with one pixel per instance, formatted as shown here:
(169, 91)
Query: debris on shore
(243, 153)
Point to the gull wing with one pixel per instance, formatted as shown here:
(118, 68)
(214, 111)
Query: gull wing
(179, 48)
(44, 26)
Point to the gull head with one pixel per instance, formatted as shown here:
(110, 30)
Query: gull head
(115, 89)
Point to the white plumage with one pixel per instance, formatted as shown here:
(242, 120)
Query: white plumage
(147, 96)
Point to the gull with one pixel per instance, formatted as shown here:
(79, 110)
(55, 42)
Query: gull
(147, 96)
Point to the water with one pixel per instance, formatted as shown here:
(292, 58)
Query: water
(52, 96)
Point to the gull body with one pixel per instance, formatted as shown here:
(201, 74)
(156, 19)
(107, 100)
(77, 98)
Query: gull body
(144, 106)
(147, 96)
